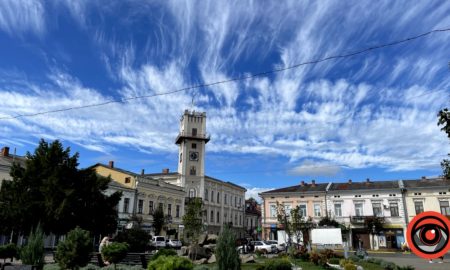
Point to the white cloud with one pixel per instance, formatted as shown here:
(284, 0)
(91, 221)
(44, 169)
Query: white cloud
(252, 192)
(21, 16)
(314, 168)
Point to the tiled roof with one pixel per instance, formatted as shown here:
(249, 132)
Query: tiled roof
(227, 182)
(300, 188)
(160, 174)
(115, 169)
(426, 183)
(364, 185)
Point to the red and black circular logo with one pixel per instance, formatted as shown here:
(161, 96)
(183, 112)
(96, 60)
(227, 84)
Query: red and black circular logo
(428, 235)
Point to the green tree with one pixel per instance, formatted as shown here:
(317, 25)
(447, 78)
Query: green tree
(226, 253)
(64, 196)
(283, 217)
(115, 252)
(159, 220)
(136, 238)
(444, 121)
(192, 219)
(33, 252)
(74, 251)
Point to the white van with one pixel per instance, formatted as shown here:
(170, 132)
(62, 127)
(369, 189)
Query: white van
(159, 242)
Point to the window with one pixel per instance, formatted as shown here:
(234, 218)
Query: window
(225, 199)
(235, 201)
(211, 216)
(218, 197)
(287, 209)
(177, 214)
(317, 211)
(206, 194)
(273, 210)
(194, 132)
(193, 171)
(251, 223)
(359, 209)
(181, 157)
(127, 180)
(418, 205)
(169, 209)
(218, 217)
(161, 206)
(302, 210)
(240, 201)
(445, 208)
(150, 207)
(192, 193)
(235, 220)
(140, 206)
(393, 207)
(338, 210)
(240, 220)
(377, 210)
(194, 146)
(225, 217)
(126, 204)
(212, 195)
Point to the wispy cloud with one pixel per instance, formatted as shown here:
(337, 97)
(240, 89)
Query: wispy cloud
(18, 17)
(372, 110)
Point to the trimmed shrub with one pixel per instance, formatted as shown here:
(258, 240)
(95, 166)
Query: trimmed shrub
(276, 264)
(201, 267)
(334, 260)
(354, 258)
(136, 238)
(170, 263)
(74, 251)
(350, 266)
(51, 266)
(388, 265)
(8, 251)
(164, 252)
(114, 252)
(33, 252)
(343, 262)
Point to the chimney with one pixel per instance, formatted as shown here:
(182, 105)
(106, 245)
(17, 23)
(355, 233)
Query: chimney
(350, 181)
(424, 178)
(111, 164)
(313, 183)
(142, 172)
(5, 151)
(302, 183)
(165, 171)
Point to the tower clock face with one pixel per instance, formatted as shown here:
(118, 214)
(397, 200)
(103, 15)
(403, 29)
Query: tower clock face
(193, 155)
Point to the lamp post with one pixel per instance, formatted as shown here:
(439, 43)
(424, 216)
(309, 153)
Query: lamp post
(373, 236)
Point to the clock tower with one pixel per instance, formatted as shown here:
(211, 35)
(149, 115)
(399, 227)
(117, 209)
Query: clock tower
(191, 161)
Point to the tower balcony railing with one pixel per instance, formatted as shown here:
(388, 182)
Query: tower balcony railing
(188, 135)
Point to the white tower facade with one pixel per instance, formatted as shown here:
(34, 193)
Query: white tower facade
(191, 161)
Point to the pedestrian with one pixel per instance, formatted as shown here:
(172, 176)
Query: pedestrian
(104, 242)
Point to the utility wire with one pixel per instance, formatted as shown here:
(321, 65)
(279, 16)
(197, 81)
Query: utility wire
(240, 78)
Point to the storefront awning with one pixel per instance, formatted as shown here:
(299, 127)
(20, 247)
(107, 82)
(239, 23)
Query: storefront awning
(393, 226)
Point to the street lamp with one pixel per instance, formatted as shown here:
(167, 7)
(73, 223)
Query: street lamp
(373, 236)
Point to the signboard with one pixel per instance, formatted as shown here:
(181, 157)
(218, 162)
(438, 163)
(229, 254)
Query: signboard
(332, 236)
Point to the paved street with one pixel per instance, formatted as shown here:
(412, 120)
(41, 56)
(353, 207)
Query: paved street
(413, 260)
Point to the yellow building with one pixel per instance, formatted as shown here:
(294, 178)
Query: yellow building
(427, 194)
(149, 193)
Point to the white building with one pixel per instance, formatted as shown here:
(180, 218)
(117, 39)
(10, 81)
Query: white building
(353, 203)
(223, 201)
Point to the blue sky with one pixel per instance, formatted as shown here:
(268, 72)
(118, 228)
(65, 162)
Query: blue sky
(368, 116)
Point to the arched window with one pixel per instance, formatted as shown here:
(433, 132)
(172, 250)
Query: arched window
(206, 194)
(212, 216)
(192, 193)
(218, 197)
(218, 217)
(212, 195)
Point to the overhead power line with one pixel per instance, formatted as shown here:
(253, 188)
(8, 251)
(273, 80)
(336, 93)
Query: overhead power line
(240, 78)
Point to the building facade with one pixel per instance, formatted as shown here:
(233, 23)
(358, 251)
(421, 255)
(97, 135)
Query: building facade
(6, 161)
(143, 194)
(223, 201)
(427, 194)
(309, 197)
(253, 226)
(357, 204)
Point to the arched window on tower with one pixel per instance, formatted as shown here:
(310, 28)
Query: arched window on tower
(192, 193)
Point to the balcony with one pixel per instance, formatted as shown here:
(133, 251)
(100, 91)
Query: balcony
(358, 219)
(186, 135)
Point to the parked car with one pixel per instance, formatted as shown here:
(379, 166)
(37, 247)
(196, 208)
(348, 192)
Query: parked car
(280, 247)
(264, 247)
(173, 243)
(159, 242)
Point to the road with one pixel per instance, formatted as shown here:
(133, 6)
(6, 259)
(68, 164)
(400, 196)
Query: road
(411, 259)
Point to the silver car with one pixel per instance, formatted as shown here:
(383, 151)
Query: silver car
(173, 243)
